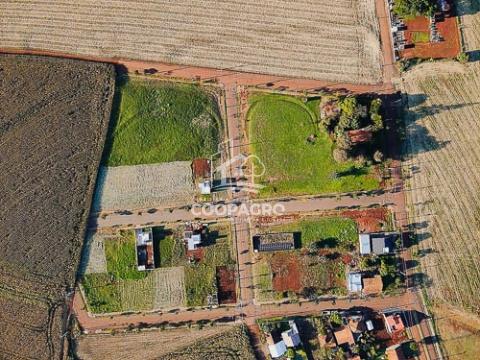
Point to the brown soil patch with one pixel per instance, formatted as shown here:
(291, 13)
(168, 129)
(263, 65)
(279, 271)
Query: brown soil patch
(196, 254)
(226, 285)
(368, 220)
(449, 48)
(286, 272)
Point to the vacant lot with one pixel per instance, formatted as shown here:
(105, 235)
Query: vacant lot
(52, 128)
(231, 345)
(145, 345)
(327, 40)
(144, 186)
(163, 121)
(444, 149)
(279, 127)
(469, 10)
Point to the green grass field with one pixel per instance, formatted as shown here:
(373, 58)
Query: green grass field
(420, 37)
(162, 121)
(328, 231)
(279, 126)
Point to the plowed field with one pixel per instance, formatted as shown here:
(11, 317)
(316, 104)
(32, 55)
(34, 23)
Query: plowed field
(53, 122)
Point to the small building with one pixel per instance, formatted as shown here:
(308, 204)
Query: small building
(144, 249)
(377, 243)
(291, 337)
(276, 348)
(194, 235)
(274, 242)
(395, 352)
(354, 282)
(373, 285)
(202, 173)
(344, 336)
(394, 323)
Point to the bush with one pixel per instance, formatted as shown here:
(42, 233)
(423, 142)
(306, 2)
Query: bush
(340, 155)
(335, 319)
(463, 58)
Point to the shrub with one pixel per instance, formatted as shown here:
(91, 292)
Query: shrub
(335, 319)
(463, 58)
(340, 155)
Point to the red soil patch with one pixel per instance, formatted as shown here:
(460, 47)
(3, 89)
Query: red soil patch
(226, 285)
(368, 220)
(286, 272)
(360, 136)
(196, 254)
(448, 48)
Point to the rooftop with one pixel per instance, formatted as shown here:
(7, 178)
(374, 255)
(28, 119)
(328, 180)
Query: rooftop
(344, 336)
(274, 242)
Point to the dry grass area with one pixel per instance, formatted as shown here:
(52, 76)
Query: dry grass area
(469, 11)
(327, 40)
(144, 186)
(53, 123)
(444, 146)
(94, 260)
(143, 345)
(169, 287)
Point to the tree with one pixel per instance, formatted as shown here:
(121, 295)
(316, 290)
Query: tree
(377, 121)
(290, 353)
(363, 264)
(375, 105)
(335, 319)
(384, 268)
(412, 8)
(343, 141)
(463, 58)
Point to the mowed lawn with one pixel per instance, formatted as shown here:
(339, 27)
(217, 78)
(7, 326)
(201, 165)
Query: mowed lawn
(161, 121)
(279, 126)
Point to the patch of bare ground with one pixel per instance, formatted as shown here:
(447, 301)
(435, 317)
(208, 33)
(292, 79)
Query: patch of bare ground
(144, 345)
(53, 122)
(325, 40)
(443, 146)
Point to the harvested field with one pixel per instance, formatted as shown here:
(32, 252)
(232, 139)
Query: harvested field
(53, 124)
(144, 186)
(337, 41)
(226, 285)
(469, 11)
(286, 272)
(444, 155)
(231, 345)
(143, 345)
(169, 287)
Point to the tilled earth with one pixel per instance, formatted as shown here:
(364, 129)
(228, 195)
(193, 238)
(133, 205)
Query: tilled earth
(53, 121)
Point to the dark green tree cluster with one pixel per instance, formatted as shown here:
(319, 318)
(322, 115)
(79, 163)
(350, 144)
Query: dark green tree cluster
(412, 8)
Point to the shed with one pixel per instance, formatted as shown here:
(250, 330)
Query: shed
(274, 242)
(377, 243)
(344, 336)
(201, 169)
(354, 281)
(365, 247)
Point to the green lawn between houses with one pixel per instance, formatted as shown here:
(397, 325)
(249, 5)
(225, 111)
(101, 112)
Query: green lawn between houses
(419, 37)
(124, 288)
(160, 121)
(279, 126)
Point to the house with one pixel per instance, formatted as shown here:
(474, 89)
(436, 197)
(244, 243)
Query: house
(377, 243)
(202, 173)
(144, 249)
(395, 352)
(354, 282)
(194, 235)
(393, 323)
(274, 242)
(344, 336)
(373, 285)
(276, 348)
(291, 337)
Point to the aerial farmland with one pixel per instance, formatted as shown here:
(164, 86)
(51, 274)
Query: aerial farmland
(54, 121)
(335, 41)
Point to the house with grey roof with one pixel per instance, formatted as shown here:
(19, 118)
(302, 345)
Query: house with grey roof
(377, 243)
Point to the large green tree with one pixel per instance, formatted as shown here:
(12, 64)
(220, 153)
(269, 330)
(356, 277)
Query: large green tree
(412, 8)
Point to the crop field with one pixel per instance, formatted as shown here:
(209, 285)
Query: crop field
(143, 345)
(144, 186)
(161, 121)
(319, 264)
(336, 41)
(230, 345)
(470, 19)
(443, 148)
(278, 130)
(48, 177)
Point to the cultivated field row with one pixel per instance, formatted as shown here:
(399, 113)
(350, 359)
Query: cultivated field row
(313, 39)
(443, 128)
(470, 11)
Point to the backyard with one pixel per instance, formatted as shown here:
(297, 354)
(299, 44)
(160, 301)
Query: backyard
(279, 129)
(317, 267)
(159, 121)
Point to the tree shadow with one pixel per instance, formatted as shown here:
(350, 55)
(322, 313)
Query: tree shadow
(353, 171)
(466, 7)
(419, 279)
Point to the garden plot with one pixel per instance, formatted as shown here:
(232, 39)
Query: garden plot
(444, 156)
(327, 40)
(144, 186)
(169, 285)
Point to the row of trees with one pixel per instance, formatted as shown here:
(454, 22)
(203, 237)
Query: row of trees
(412, 8)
